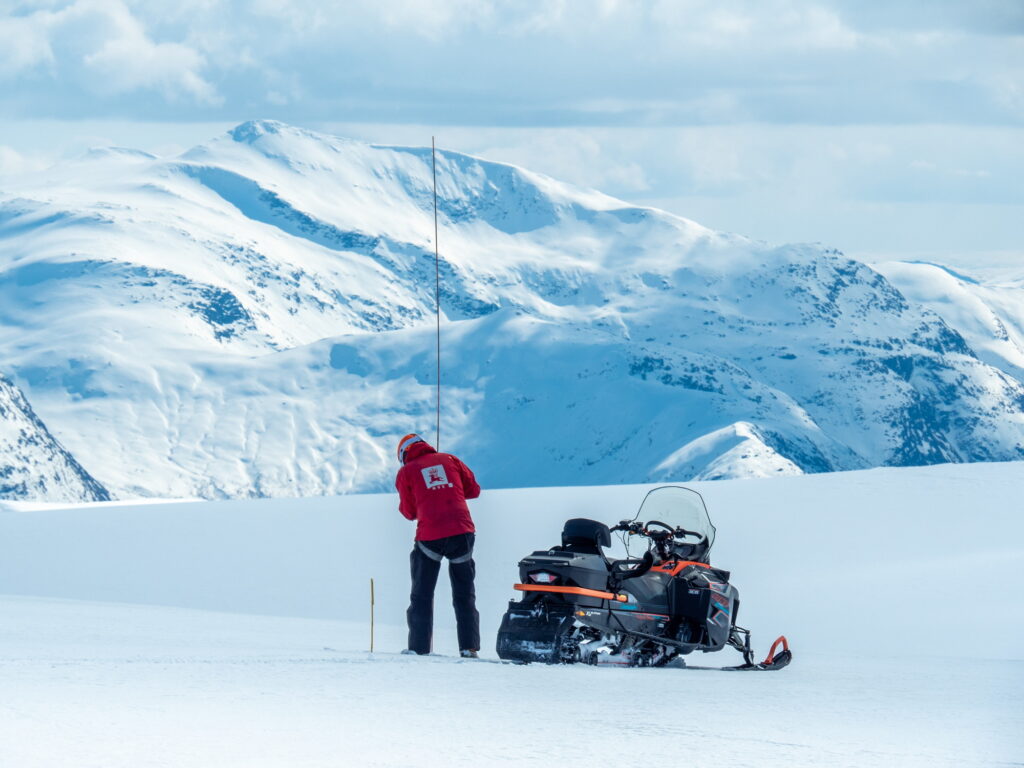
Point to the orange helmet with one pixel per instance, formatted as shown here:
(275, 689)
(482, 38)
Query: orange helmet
(405, 442)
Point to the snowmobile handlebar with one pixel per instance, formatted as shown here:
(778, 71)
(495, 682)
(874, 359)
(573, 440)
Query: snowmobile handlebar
(644, 529)
(669, 531)
(677, 532)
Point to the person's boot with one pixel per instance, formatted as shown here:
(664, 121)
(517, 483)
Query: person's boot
(469, 653)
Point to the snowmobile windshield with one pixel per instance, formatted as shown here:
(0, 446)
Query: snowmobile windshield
(677, 507)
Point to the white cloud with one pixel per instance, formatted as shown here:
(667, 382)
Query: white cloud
(128, 60)
(782, 119)
(100, 46)
(435, 19)
(24, 43)
(14, 163)
(558, 62)
(1008, 87)
(577, 156)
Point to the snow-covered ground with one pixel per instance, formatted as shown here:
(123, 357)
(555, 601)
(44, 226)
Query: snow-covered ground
(899, 589)
(90, 684)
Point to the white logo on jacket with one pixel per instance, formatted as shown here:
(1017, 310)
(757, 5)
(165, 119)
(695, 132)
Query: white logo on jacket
(435, 477)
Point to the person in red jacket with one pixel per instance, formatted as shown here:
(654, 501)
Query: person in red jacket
(432, 489)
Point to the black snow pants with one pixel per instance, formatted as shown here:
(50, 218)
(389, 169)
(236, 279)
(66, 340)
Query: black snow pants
(425, 560)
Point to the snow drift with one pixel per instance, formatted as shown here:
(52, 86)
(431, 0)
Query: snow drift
(834, 561)
(899, 589)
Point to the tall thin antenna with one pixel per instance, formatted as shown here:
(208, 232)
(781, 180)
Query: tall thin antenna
(437, 292)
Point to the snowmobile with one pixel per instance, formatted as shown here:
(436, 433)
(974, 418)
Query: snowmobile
(579, 606)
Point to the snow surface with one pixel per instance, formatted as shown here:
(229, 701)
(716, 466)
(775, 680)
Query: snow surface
(898, 588)
(254, 317)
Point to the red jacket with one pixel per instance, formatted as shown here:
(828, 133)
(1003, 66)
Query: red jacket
(432, 490)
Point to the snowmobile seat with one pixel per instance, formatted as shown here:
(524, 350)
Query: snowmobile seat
(585, 536)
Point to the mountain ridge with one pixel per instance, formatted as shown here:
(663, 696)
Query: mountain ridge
(255, 317)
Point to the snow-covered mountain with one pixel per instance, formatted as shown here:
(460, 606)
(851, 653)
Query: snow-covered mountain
(33, 465)
(983, 302)
(255, 317)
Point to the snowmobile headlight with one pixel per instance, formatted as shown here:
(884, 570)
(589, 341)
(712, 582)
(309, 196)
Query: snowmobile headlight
(543, 577)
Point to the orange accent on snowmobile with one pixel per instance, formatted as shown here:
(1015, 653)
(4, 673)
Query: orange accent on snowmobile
(570, 591)
(673, 567)
(775, 646)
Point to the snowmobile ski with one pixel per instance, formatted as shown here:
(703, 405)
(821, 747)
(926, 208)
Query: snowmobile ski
(774, 661)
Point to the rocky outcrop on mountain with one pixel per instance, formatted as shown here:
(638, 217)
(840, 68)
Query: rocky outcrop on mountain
(33, 465)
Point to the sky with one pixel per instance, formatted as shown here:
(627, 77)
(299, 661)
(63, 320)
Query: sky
(886, 129)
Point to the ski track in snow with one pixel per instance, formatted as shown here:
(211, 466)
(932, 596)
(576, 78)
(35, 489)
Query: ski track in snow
(899, 590)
